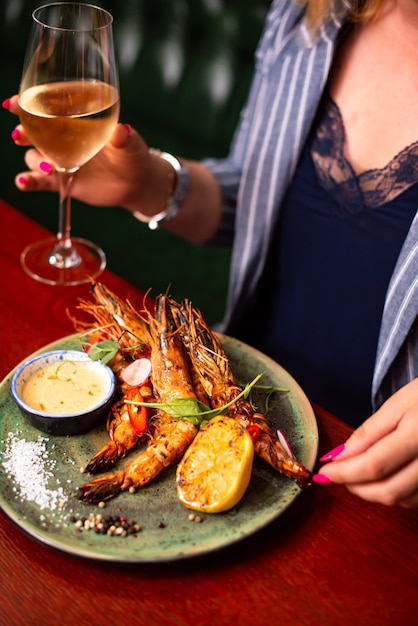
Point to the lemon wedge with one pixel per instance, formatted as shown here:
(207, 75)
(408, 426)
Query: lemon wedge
(214, 473)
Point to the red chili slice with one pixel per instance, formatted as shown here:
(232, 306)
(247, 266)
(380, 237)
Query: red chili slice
(138, 415)
(254, 431)
(95, 337)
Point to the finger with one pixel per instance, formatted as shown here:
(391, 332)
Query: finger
(11, 104)
(121, 135)
(40, 178)
(33, 181)
(384, 421)
(36, 162)
(401, 488)
(380, 460)
(365, 436)
(19, 136)
(361, 439)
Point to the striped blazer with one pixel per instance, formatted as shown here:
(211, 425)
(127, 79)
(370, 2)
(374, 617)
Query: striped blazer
(290, 76)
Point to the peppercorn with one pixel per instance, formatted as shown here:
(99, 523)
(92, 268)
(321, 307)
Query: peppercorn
(111, 525)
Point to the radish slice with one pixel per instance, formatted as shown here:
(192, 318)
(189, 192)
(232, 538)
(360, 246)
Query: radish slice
(136, 372)
(285, 443)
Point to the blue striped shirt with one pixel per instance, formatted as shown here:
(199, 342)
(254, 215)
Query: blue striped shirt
(290, 76)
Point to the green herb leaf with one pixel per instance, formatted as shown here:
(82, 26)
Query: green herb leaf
(180, 408)
(103, 351)
(191, 409)
(184, 408)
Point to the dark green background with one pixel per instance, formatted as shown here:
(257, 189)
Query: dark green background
(183, 117)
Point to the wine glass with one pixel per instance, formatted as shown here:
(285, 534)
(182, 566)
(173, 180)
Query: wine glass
(69, 107)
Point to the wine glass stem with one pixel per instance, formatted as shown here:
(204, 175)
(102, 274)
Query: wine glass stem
(64, 255)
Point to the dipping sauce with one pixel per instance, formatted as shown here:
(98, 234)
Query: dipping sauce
(65, 387)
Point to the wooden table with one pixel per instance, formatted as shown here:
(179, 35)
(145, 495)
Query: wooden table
(330, 559)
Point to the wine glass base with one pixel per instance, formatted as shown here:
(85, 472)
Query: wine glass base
(35, 262)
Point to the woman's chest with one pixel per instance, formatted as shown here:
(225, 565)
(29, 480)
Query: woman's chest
(375, 85)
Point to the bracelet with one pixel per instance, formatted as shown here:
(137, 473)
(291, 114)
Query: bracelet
(177, 198)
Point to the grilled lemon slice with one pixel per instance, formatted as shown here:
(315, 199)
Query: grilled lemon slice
(215, 471)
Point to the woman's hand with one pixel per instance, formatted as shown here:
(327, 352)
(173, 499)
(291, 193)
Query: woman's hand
(379, 462)
(123, 173)
(127, 174)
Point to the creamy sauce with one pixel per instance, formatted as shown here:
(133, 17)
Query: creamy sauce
(65, 387)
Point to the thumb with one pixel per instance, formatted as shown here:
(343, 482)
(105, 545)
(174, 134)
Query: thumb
(121, 135)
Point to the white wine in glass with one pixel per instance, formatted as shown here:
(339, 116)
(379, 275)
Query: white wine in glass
(69, 107)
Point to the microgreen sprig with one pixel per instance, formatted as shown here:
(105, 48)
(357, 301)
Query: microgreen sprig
(269, 392)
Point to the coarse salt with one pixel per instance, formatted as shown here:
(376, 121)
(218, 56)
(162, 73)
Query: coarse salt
(32, 470)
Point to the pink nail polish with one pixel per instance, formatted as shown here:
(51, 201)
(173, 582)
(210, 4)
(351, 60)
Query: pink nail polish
(333, 453)
(15, 134)
(45, 167)
(6, 104)
(321, 479)
(22, 180)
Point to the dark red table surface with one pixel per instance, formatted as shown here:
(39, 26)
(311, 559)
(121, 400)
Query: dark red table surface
(329, 559)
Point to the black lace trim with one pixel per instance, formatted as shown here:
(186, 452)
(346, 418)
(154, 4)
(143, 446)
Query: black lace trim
(370, 189)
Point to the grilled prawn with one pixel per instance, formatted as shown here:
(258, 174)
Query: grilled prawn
(123, 436)
(117, 321)
(168, 437)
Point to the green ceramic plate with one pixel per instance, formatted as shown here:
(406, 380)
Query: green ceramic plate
(40, 476)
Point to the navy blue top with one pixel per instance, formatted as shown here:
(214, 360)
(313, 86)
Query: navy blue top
(329, 268)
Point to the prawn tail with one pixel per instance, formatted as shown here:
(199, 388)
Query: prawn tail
(102, 488)
(106, 457)
(271, 451)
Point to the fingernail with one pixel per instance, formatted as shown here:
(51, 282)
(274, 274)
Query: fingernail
(22, 180)
(15, 134)
(45, 167)
(321, 479)
(6, 104)
(333, 453)
(128, 129)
